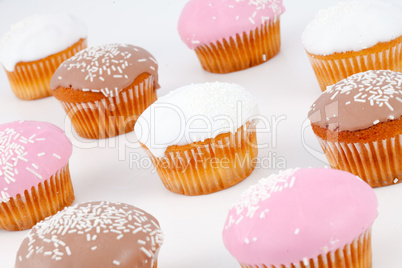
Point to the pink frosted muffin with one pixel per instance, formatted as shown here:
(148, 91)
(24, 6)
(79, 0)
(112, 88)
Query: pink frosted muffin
(303, 218)
(33, 49)
(231, 35)
(93, 234)
(34, 175)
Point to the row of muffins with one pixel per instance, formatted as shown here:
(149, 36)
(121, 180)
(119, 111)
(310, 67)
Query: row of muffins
(350, 37)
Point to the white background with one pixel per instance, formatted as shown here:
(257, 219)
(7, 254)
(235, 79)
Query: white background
(285, 86)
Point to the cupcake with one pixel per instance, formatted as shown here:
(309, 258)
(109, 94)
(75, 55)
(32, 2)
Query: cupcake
(33, 49)
(358, 124)
(201, 138)
(316, 218)
(231, 35)
(104, 89)
(34, 176)
(93, 234)
(353, 37)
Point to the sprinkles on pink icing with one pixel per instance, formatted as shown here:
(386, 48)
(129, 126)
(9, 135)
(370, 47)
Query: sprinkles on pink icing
(206, 21)
(93, 234)
(297, 215)
(105, 68)
(30, 153)
(359, 101)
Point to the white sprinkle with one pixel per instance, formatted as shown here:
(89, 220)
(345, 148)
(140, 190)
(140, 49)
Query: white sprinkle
(116, 262)
(57, 156)
(34, 172)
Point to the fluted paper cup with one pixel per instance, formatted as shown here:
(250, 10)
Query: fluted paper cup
(111, 116)
(354, 255)
(209, 166)
(37, 203)
(333, 68)
(244, 51)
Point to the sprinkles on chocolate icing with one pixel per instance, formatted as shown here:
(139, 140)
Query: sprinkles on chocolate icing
(98, 230)
(106, 68)
(359, 101)
(21, 166)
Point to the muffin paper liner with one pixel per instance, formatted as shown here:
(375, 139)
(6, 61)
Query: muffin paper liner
(207, 167)
(31, 80)
(49, 197)
(354, 255)
(379, 163)
(111, 116)
(243, 51)
(331, 69)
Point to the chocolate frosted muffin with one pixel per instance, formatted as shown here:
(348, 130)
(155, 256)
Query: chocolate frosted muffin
(103, 89)
(93, 234)
(358, 124)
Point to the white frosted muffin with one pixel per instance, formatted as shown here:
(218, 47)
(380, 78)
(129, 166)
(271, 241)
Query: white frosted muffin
(32, 49)
(352, 37)
(201, 137)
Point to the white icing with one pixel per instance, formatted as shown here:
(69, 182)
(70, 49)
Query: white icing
(353, 26)
(194, 113)
(39, 36)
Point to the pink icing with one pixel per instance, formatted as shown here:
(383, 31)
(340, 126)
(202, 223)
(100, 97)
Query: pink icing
(205, 21)
(30, 153)
(298, 215)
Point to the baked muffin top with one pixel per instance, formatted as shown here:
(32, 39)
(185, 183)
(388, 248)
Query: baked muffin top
(105, 69)
(39, 36)
(205, 21)
(359, 101)
(93, 234)
(298, 214)
(353, 26)
(30, 153)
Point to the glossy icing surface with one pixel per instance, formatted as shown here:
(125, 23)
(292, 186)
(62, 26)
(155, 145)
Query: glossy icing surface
(105, 68)
(353, 26)
(194, 113)
(297, 215)
(93, 234)
(30, 153)
(359, 101)
(205, 21)
(39, 36)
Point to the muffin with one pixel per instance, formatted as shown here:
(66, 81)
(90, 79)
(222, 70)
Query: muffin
(201, 137)
(93, 234)
(34, 174)
(33, 49)
(231, 35)
(353, 37)
(358, 124)
(104, 89)
(315, 218)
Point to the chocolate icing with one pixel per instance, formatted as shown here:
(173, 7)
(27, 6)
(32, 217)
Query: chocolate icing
(105, 68)
(359, 102)
(93, 234)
